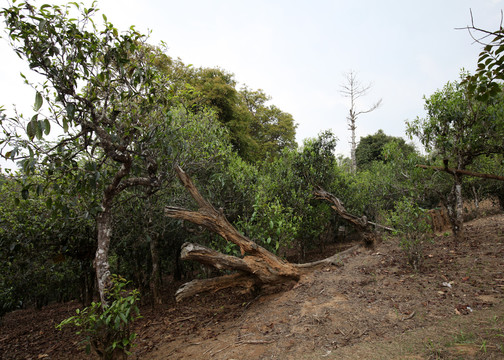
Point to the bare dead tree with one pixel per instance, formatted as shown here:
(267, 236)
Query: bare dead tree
(353, 90)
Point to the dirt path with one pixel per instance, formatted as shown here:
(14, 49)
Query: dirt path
(372, 307)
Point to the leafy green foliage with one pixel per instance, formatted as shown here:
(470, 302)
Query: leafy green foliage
(272, 224)
(370, 148)
(41, 259)
(256, 130)
(108, 330)
(271, 129)
(411, 225)
(285, 211)
(484, 84)
(458, 128)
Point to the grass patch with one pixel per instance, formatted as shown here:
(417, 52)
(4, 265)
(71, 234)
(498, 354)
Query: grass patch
(484, 340)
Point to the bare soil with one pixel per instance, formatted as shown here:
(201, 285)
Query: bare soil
(372, 306)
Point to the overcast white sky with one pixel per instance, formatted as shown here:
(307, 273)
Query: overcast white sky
(298, 51)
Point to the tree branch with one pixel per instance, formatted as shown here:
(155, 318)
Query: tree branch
(462, 172)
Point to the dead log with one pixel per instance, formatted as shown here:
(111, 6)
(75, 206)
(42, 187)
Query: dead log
(259, 265)
(361, 224)
(191, 288)
(244, 279)
(335, 260)
(213, 258)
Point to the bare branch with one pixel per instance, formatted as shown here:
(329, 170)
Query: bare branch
(486, 33)
(353, 89)
(373, 107)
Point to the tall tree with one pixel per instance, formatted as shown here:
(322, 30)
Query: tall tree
(458, 129)
(105, 92)
(272, 129)
(353, 89)
(256, 129)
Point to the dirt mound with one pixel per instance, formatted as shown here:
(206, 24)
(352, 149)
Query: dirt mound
(372, 307)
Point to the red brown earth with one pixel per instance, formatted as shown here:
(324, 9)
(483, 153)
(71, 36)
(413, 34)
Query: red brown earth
(373, 306)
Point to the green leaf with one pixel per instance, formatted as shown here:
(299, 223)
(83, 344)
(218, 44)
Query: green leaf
(25, 193)
(65, 124)
(38, 129)
(31, 127)
(70, 109)
(47, 127)
(38, 101)
(499, 50)
(42, 25)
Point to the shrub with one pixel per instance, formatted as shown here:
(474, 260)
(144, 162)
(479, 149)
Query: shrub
(107, 330)
(411, 225)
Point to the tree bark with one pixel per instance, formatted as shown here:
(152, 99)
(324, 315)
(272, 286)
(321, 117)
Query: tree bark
(259, 265)
(335, 260)
(155, 279)
(101, 264)
(104, 229)
(476, 198)
(243, 278)
(455, 207)
(353, 89)
(361, 224)
(353, 142)
(463, 172)
(191, 288)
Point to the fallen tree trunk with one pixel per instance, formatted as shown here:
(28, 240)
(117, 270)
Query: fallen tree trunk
(210, 257)
(336, 259)
(361, 224)
(191, 288)
(258, 266)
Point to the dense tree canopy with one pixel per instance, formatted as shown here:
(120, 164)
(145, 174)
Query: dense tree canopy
(257, 130)
(371, 148)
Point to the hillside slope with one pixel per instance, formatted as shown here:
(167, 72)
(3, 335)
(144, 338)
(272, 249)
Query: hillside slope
(372, 307)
